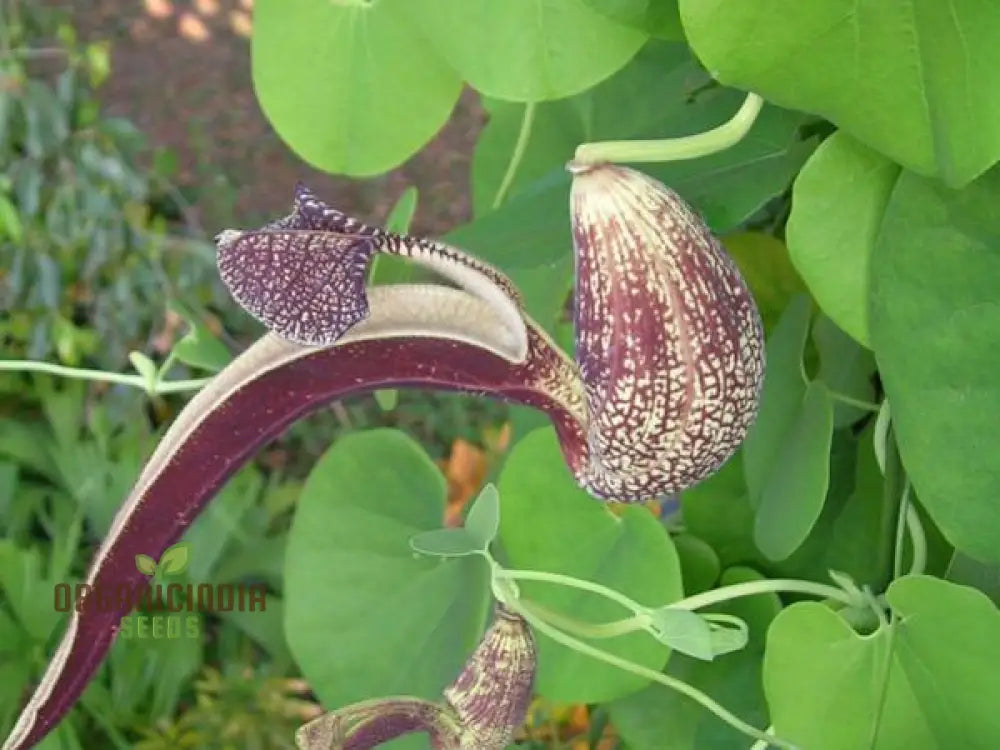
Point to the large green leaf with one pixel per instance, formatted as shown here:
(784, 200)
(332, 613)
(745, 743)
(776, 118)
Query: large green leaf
(935, 317)
(824, 682)
(526, 50)
(857, 536)
(969, 572)
(349, 87)
(847, 536)
(700, 565)
(548, 523)
(837, 205)
(915, 79)
(365, 615)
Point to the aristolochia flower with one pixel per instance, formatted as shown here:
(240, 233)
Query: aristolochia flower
(665, 385)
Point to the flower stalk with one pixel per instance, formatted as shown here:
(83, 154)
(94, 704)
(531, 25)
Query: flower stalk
(674, 149)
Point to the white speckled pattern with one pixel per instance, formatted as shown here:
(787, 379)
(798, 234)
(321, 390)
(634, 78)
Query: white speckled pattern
(669, 340)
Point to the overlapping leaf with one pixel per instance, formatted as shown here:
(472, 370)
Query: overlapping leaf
(837, 206)
(656, 17)
(526, 50)
(786, 453)
(935, 317)
(824, 682)
(342, 85)
(365, 616)
(914, 79)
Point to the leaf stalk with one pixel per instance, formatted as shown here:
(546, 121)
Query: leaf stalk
(711, 141)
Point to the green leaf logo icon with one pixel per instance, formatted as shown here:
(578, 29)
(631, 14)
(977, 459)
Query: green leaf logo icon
(145, 564)
(173, 562)
(175, 559)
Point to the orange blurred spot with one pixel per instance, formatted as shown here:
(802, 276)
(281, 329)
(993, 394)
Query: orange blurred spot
(240, 23)
(246, 4)
(193, 28)
(207, 7)
(465, 469)
(497, 440)
(159, 8)
(163, 342)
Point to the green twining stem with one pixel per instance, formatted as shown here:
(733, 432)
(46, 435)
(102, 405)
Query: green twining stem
(527, 121)
(673, 149)
(77, 373)
(584, 629)
(576, 583)
(694, 694)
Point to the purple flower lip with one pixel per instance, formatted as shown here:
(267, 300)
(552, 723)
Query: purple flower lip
(665, 384)
(482, 709)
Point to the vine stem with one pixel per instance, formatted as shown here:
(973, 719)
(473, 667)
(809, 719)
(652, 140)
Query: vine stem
(527, 121)
(675, 149)
(855, 402)
(77, 373)
(699, 697)
(708, 598)
(585, 629)
(767, 586)
(576, 583)
(761, 744)
(918, 540)
(897, 570)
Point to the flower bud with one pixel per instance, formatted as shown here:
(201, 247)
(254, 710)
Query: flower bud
(492, 693)
(481, 710)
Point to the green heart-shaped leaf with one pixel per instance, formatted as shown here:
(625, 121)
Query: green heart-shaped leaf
(548, 523)
(793, 496)
(365, 616)
(199, 347)
(656, 17)
(174, 559)
(145, 564)
(340, 82)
